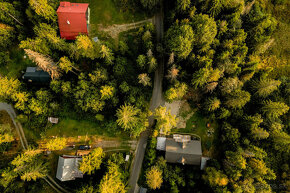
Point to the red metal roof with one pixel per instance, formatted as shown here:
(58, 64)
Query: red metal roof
(67, 7)
(72, 19)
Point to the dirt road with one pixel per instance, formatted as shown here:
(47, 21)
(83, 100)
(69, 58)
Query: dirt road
(19, 129)
(156, 101)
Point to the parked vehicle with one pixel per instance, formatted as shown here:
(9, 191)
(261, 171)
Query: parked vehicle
(84, 147)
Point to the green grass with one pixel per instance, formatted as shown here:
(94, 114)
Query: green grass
(107, 13)
(71, 127)
(14, 67)
(196, 124)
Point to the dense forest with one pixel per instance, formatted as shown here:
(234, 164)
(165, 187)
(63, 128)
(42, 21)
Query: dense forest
(226, 58)
(219, 59)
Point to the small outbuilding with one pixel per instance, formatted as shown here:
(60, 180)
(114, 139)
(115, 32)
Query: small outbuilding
(53, 120)
(161, 143)
(68, 168)
(36, 75)
(73, 19)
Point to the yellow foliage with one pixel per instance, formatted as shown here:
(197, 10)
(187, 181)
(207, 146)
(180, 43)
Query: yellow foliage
(223, 181)
(154, 178)
(56, 144)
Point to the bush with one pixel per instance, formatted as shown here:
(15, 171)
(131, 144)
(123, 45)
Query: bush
(4, 58)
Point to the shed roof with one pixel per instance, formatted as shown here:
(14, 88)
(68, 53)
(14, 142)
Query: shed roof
(34, 74)
(67, 7)
(67, 168)
(185, 153)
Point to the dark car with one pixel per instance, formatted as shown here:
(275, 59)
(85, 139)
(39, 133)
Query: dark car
(84, 147)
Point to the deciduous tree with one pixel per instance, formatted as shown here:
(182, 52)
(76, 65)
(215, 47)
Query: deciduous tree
(92, 161)
(154, 178)
(112, 180)
(176, 92)
(179, 39)
(6, 133)
(58, 143)
(165, 121)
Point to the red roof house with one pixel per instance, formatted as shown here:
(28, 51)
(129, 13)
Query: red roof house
(73, 19)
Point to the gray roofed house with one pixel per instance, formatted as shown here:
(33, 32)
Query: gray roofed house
(183, 151)
(35, 74)
(67, 168)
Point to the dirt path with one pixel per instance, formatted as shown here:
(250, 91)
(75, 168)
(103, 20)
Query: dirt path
(115, 29)
(19, 129)
(9, 109)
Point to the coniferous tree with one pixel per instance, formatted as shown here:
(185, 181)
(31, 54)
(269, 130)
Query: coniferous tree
(212, 104)
(182, 5)
(264, 87)
(42, 8)
(274, 109)
(44, 62)
(144, 79)
(237, 99)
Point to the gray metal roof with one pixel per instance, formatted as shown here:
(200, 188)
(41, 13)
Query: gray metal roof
(161, 142)
(67, 168)
(34, 74)
(185, 153)
(30, 69)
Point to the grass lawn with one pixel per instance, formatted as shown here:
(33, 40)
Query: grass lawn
(16, 65)
(106, 12)
(197, 124)
(73, 128)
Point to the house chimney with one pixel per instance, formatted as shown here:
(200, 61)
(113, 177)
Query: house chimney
(183, 145)
(65, 4)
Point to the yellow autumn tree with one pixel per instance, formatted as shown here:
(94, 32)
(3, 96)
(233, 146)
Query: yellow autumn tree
(56, 144)
(165, 121)
(154, 178)
(92, 161)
